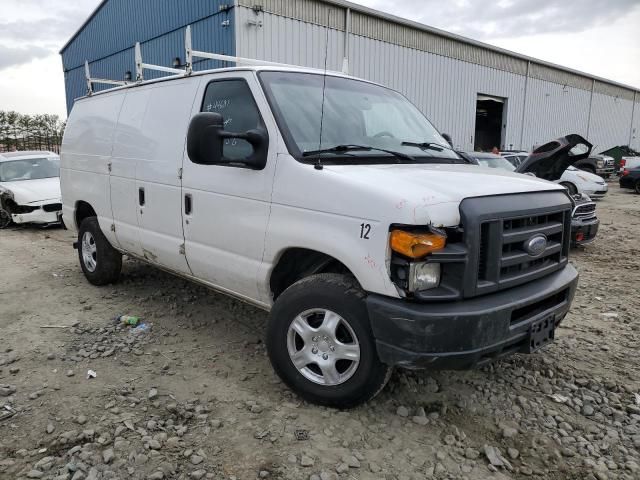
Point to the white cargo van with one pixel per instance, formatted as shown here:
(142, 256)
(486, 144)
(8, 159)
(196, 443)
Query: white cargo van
(333, 203)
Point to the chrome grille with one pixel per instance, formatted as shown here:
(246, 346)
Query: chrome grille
(585, 211)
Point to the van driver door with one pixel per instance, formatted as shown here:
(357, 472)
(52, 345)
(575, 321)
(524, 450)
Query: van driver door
(226, 207)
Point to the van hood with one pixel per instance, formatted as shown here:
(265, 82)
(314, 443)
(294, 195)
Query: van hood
(26, 192)
(436, 184)
(408, 193)
(550, 160)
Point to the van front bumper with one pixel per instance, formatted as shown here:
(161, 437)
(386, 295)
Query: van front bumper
(472, 332)
(584, 232)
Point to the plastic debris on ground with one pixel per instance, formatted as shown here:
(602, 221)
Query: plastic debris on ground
(130, 320)
(142, 328)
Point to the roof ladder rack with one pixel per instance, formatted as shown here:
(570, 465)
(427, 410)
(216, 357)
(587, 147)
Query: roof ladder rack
(191, 54)
(141, 66)
(105, 81)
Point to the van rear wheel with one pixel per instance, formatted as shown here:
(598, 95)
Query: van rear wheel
(100, 262)
(320, 342)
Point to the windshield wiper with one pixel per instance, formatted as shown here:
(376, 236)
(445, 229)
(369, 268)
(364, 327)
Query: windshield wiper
(338, 149)
(427, 146)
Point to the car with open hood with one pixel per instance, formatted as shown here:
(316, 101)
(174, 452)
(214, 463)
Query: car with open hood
(332, 203)
(584, 221)
(576, 181)
(30, 188)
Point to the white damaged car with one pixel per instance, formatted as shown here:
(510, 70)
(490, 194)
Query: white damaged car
(30, 188)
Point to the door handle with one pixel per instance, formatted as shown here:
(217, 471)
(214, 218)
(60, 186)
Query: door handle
(141, 199)
(188, 204)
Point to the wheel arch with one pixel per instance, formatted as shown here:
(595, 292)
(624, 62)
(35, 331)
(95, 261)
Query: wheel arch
(572, 184)
(295, 263)
(83, 210)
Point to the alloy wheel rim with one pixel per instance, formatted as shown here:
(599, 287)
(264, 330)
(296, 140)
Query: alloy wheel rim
(323, 347)
(89, 252)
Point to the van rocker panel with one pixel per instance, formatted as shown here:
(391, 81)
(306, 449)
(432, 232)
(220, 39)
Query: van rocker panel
(460, 335)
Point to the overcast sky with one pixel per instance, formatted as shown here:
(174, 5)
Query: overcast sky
(601, 37)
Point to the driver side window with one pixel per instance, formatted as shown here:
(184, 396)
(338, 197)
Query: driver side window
(234, 101)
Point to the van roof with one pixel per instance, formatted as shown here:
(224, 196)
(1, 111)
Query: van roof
(253, 68)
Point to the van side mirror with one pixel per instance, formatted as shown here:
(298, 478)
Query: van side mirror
(448, 138)
(206, 139)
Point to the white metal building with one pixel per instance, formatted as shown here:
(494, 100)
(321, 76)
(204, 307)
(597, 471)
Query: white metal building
(481, 95)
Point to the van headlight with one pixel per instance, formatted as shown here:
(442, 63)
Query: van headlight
(423, 276)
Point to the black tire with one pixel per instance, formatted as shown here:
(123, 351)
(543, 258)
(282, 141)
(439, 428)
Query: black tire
(340, 294)
(108, 261)
(573, 190)
(5, 219)
(637, 186)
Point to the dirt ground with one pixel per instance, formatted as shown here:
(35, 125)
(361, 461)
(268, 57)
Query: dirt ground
(193, 394)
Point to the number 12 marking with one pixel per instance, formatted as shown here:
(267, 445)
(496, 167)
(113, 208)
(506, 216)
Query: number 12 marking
(365, 230)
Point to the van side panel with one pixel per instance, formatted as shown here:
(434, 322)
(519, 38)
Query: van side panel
(85, 157)
(130, 143)
(162, 143)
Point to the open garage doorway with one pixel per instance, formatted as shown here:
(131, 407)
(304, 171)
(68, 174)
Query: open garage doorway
(490, 122)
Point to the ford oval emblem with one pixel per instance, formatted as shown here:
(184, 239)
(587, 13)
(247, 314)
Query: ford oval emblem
(536, 245)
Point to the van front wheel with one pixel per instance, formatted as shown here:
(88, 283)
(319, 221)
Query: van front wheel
(320, 342)
(100, 262)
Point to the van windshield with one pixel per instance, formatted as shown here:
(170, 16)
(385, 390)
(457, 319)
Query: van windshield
(354, 113)
(29, 169)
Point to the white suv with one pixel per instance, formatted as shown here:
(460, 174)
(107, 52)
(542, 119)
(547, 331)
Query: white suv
(331, 202)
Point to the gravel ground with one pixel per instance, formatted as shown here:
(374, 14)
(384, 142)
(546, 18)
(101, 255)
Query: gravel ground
(193, 396)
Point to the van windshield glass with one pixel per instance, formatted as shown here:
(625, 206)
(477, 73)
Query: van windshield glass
(355, 113)
(29, 169)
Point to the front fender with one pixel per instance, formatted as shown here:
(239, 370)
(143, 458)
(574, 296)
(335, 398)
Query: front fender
(360, 244)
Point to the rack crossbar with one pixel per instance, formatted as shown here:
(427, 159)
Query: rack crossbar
(188, 70)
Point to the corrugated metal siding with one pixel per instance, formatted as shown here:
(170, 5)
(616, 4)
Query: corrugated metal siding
(441, 85)
(287, 40)
(379, 28)
(383, 30)
(610, 121)
(121, 23)
(208, 34)
(634, 135)
(554, 110)
(309, 11)
(613, 91)
(560, 77)
(445, 89)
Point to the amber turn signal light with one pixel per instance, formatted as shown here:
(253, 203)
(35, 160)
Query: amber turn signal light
(416, 245)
